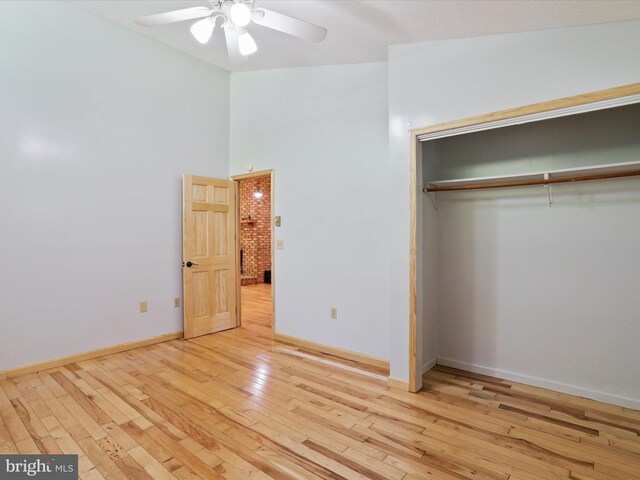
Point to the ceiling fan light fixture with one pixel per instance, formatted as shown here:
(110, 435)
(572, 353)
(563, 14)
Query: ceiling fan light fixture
(246, 44)
(202, 30)
(240, 14)
(236, 15)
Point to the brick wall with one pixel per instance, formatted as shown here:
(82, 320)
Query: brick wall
(255, 229)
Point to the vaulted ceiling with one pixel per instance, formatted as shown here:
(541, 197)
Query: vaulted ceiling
(361, 30)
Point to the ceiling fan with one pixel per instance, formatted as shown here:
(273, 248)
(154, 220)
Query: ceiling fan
(235, 15)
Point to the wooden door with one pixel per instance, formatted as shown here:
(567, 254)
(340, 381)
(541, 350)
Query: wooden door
(209, 256)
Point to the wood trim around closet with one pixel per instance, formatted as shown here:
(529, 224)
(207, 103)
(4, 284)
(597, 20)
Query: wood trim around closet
(576, 100)
(415, 383)
(567, 102)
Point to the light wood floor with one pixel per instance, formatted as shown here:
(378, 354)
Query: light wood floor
(256, 305)
(234, 405)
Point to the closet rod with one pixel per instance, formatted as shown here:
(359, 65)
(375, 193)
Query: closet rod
(526, 183)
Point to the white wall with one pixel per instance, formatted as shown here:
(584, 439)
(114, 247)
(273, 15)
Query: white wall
(324, 130)
(439, 81)
(97, 126)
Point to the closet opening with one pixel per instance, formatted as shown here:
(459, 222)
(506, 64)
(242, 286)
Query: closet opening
(524, 256)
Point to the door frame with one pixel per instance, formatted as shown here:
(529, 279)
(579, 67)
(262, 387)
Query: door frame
(550, 109)
(236, 178)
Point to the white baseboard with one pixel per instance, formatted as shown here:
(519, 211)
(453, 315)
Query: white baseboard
(429, 364)
(542, 383)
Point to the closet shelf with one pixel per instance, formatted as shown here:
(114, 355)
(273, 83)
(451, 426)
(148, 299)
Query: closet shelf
(597, 172)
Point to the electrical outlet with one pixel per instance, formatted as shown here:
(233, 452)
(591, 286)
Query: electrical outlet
(176, 302)
(334, 313)
(143, 307)
(279, 244)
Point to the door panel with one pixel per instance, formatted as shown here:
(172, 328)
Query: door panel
(209, 244)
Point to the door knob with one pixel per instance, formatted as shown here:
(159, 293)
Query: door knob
(191, 264)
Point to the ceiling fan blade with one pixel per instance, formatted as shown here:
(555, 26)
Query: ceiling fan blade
(174, 16)
(231, 36)
(289, 25)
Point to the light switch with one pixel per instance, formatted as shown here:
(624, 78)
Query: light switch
(143, 307)
(278, 221)
(279, 244)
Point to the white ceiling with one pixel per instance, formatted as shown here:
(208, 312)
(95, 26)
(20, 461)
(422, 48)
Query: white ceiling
(361, 30)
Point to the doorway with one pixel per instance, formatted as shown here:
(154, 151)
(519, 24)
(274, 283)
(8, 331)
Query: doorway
(255, 249)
